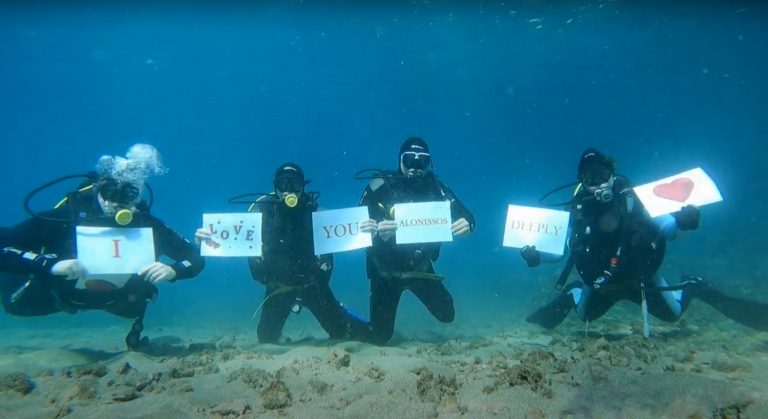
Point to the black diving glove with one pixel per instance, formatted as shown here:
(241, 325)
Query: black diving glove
(688, 218)
(323, 268)
(531, 255)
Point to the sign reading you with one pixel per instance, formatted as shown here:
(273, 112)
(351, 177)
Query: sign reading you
(339, 230)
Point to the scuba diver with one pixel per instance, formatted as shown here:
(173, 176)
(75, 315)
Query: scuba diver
(617, 249)
(294, 277)
(394, 268)
(39, 257)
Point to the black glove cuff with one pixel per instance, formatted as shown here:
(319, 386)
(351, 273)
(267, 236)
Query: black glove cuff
(687, 219)
(531, 255)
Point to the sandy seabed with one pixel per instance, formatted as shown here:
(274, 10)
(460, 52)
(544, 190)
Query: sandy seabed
(685, 370)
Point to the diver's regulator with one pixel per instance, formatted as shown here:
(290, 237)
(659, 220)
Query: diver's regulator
(124, 217)
(604, 194)
(291, 200)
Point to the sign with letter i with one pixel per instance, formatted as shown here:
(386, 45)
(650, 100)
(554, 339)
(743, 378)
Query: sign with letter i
(107, 250)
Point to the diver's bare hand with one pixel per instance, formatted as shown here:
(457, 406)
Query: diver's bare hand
(157, 272)
(369, 226)
(70, 268)
(460, 227)
(387, 229)
(202, 235)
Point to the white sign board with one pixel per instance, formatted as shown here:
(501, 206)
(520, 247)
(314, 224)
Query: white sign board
(232, 235)
(668, 195)
(546, 229)
(339, 230)
(423, 222)
(112, 255)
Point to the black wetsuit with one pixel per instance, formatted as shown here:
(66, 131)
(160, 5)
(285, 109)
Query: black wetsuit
(394, 268)
(617, 249)
(293, 274)
(31, 248)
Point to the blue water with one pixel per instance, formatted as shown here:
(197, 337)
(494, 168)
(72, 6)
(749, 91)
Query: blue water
(507, 94)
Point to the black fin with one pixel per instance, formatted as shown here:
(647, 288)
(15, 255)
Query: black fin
(552, 314)
(749, 313)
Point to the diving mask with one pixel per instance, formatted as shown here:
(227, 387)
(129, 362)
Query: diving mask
(124, 194)
(415, 160)
(596, 176)
(289, 188)
(291, 184)
(119, 195)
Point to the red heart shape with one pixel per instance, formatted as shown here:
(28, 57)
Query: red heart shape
(678, 190)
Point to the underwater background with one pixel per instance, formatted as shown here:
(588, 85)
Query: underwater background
(507, 94)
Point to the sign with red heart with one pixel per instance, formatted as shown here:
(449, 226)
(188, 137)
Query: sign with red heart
(678, 190)
(664, 196)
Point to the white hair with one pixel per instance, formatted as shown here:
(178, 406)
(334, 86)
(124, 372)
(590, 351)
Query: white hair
(140, 162)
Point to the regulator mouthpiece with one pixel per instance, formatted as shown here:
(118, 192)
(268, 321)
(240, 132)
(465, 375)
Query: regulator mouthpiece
(291, 200)
(124, 217)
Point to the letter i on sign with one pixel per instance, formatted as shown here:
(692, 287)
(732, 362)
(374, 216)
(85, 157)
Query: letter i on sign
(116, 242)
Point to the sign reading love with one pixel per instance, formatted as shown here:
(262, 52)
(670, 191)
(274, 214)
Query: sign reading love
(678, 190)
(668, 195)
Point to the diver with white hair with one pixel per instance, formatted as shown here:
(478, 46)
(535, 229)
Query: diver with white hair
(39, 256)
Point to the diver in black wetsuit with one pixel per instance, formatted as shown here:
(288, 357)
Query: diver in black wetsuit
(617, 250)
(294, 277)
(40, 262)
(394, 268)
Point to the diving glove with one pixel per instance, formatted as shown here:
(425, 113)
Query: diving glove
(688, 218)
(531, 255)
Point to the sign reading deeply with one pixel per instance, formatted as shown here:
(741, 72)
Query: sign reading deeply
(529, 226)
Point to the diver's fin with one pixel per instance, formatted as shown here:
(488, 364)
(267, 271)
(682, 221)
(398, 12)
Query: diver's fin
(552, 314)
(749, 313)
